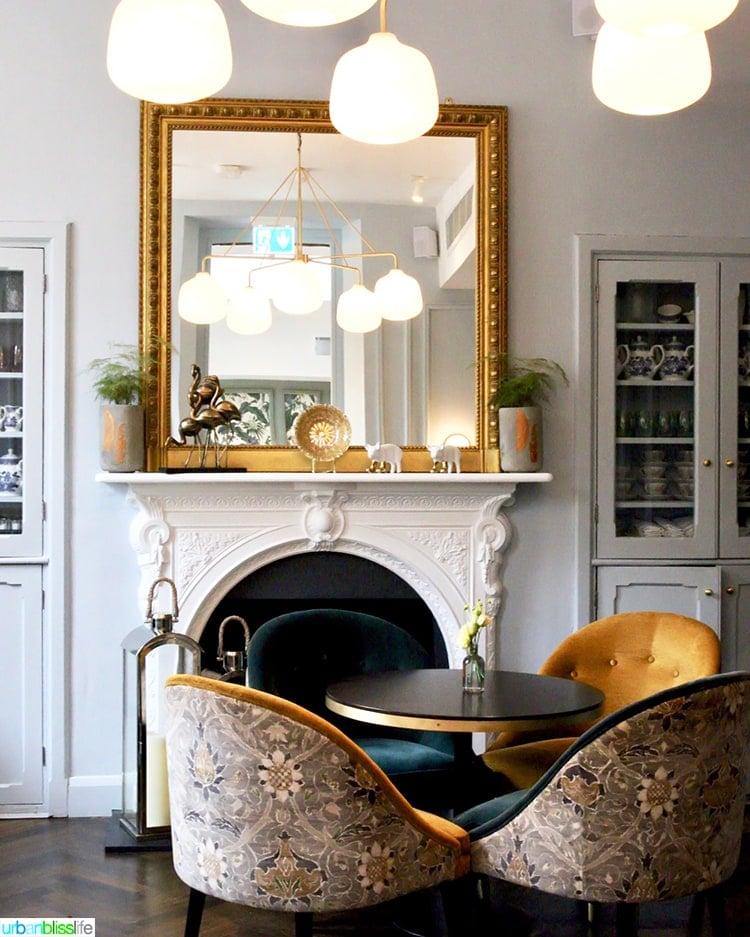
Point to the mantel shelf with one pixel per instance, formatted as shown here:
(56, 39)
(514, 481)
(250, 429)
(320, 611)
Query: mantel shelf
(316, 479)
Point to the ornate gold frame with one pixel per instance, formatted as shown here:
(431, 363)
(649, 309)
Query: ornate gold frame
(487, 125)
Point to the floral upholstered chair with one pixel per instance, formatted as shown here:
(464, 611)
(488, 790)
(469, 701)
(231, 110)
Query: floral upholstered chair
(273, 807)
(647, 805)
(627, 656)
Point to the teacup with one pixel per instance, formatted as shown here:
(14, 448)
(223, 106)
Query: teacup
(684, 471)
(11, 417)
(684, 455)
(622, 489)
(685, 489)
(653, 455)
(653, 470)
(654, 488)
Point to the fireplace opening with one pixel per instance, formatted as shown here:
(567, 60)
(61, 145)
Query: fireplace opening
(322, 580)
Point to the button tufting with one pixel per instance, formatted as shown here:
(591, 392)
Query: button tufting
(651, 658)
(613, 663)
(574, 674)
(675, 673)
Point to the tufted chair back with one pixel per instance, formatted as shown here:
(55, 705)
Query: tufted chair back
(628, 657)
(273, 807)
(647, 805)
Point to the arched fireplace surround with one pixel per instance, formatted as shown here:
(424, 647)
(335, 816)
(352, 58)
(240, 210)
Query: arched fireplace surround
(442, 535)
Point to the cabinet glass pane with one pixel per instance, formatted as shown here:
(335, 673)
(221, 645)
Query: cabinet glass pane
(655, 409)
(11, 401)
(743, 412)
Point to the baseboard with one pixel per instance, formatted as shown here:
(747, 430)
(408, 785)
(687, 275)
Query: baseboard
(94, 795)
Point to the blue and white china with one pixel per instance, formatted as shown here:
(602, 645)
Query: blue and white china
(678, 360)
(11, 473)
(640, 361)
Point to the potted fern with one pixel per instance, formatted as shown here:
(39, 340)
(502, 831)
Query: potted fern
(523, 386)
(120, 383)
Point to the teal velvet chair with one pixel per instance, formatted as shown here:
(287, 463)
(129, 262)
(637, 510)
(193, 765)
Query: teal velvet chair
(647, 805)
(299, 654)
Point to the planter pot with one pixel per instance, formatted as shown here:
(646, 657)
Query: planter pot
(121, 438)
(520, 432)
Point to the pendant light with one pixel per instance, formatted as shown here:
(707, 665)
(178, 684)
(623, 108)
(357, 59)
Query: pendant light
(294, 285)
(383, 92)
(357, 310)
(665, 18)
(169, 51)
(649, 76)
(308, 12)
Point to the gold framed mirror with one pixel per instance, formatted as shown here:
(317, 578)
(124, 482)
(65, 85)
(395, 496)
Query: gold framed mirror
(167, 202)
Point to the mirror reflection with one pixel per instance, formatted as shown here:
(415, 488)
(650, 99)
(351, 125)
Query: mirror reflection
(236, 213)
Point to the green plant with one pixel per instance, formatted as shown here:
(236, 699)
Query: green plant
(525, 382)
(123, 377)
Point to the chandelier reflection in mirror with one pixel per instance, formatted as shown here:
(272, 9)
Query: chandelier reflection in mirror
(293, 284)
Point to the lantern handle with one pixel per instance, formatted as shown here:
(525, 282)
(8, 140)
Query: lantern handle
(220, 649)
(152, 592)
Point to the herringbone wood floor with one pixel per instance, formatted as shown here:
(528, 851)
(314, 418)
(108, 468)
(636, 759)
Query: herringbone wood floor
(59, 868)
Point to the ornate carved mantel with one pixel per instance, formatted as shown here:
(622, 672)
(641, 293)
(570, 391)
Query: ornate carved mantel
(445, 535)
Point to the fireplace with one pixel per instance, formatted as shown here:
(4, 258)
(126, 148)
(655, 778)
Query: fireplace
(411, 547)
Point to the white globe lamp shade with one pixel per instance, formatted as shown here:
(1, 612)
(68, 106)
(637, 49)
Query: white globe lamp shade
(646, 77)
(169, 51)
(383, 92)
(664, 17)
(296, 288)
(249, 313)
(202, 300)
(308, 12)
(357, 310)
(399, 296)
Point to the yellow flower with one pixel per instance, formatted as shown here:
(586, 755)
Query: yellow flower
(468, 632)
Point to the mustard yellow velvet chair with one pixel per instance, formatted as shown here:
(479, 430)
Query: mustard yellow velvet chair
(628, 657)
(273, 807)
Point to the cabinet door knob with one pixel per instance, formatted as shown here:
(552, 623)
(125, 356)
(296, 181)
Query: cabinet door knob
(730, 590)
(708, 591)
(729, 463)
(706, 462)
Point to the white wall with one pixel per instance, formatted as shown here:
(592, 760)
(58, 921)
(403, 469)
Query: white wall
(70, 153)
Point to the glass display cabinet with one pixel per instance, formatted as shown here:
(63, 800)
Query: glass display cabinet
(21, 390)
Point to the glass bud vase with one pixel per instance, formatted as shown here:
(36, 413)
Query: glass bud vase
(473, 671)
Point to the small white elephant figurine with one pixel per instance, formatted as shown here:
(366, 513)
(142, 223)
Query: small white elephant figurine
(445, 458)
(385, 454)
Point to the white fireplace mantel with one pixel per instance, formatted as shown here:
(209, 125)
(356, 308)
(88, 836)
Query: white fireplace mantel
(444, 534)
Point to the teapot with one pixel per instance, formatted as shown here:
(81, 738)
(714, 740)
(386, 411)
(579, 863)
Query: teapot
(677, 364)
(11, 473)
(639, 360)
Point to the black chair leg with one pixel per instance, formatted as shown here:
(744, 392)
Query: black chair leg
(303, 921)
(196, 903)
(626, 920)
(695, 920)
(717, 911)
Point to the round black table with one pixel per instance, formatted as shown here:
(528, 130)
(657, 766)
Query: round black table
(435, 700)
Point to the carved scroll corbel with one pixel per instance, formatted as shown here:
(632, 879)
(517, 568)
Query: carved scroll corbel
(149, 536)
(323, 520)
(492, 534)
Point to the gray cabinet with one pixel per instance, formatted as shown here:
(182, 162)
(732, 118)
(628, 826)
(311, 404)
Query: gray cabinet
(671, 392)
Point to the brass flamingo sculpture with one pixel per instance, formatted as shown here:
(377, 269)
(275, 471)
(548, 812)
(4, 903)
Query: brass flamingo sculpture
(207, 413)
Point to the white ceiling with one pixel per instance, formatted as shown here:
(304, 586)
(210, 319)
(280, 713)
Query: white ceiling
(348, 171)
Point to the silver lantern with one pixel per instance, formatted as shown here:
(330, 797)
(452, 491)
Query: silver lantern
(151, 653)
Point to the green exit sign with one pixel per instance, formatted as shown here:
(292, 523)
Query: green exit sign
(274, 239)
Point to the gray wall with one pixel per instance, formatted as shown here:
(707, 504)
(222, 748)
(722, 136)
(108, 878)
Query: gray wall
(70, 153)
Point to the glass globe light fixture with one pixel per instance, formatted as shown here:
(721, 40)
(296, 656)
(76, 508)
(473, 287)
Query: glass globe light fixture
(649, 76)
(664, 18)
(308, 12)
(357, 310)
(383, 92)
(399, 296)
(249, 312)
(202, 300)
(169, 51)
(296, 288)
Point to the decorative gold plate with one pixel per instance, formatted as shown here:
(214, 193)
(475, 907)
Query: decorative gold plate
(322, 432)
